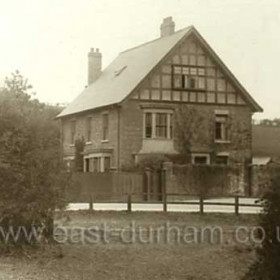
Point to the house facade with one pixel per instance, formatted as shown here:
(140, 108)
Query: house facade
(171, 96)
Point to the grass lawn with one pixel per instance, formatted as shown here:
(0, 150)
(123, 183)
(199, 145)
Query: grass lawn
(135, 261)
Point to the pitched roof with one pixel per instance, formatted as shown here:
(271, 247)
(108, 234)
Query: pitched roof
(121, 77)
(124, 74)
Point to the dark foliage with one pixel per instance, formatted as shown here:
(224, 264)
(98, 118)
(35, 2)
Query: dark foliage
(267, 265)
(79, 158)
(32, 177)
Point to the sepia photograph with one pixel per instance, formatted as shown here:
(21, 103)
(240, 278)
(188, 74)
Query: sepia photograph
(139, 140)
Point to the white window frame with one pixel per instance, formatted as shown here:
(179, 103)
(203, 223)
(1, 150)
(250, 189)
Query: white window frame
(169, 112)
(224, 155)
(224, 131)
(101, 156)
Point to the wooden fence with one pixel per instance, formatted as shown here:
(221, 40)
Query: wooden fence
(201, 201)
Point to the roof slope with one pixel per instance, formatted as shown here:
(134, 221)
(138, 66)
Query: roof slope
(121, 77)
(124, 74)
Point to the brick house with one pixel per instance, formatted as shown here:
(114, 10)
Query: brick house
(129, 109)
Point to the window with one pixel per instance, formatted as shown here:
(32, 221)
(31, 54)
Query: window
(158, 124)
(97, 163)
(186, 77)
(148, 125)
(105, 126)
(73, 132)
(200, 159)
(88, 129)
(87, 165)
(222, 159)
(107, 164)
(171, 125)
(221, 127)
(161, 125)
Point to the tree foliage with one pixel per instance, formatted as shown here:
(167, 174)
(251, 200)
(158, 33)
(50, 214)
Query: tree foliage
(270, 122)
(190, 128)
(268, 254)
(32, 178)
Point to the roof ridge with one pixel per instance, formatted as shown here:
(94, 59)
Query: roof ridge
(157, 39)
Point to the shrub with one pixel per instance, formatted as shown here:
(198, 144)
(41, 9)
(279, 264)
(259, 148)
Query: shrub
(268, 254)
(32, 177)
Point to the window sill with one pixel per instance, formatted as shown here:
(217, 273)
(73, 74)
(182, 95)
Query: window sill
(104, 141)
(222, 141)
(158, 139)
(88, 143)
(189, 89)
(72, 145)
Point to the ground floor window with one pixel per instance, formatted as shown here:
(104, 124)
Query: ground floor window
(200, 159)
(97, 163)
(158, 124)
(222, 159)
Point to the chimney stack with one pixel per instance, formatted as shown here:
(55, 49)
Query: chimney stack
(94, 65)
(167, 27)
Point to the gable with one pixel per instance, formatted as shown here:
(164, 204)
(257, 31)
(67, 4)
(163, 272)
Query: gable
(193, 73)
(146, 73)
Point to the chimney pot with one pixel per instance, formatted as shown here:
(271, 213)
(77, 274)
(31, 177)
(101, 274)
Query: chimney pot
(94, 65)
(167, 27)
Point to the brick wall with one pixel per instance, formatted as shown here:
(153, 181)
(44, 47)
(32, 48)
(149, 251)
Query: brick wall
(239, 147)
(96, 135)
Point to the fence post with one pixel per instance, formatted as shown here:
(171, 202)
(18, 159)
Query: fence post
(91, 202)
(164, 202)
(129, 203)
(236, 204)
(201, 205)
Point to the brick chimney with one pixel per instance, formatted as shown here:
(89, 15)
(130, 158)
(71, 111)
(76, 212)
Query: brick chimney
(167, 27)
(94, 65)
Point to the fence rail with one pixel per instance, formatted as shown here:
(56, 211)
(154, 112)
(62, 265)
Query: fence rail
(130, 199)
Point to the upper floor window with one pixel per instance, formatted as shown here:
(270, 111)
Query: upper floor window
(88, 128)
(105, 126)
(185, 77)
(221, 127)
(72, 131)
(158, 124)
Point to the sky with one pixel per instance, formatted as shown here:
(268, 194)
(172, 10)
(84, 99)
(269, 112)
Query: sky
(48, 40)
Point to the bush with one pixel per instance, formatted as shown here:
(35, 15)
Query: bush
(32, 177)
(268, 254)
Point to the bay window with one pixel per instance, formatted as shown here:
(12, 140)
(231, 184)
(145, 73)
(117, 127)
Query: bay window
(158, 124)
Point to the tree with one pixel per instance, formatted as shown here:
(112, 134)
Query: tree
(190, 129)
(79, 158)
(268, 254)
(32, 177)
(270, 122)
